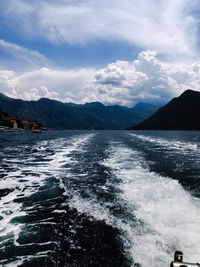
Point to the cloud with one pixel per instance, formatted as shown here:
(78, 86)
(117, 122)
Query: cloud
(64, 85)
(146, 79)
(22, 56)
(168, 27)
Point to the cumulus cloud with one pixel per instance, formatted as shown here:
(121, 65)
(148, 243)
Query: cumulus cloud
(146, 79)
(64, 85)
(168, 27)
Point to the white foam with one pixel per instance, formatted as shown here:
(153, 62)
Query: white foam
(30, 177)
(15, 263)
(167, 218)
(92, 208)
(59, 211)
(39, 244)
(175, 145)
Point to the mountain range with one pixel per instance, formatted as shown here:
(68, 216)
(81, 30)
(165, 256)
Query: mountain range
(58, 115)
(181, 113)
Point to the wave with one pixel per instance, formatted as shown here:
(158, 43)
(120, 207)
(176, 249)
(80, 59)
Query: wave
(166, 217)
(174, 145)
(27, 178)
(154, 215)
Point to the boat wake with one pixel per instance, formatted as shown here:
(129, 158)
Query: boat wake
(33, 199)
(163, 216)
(92, 199)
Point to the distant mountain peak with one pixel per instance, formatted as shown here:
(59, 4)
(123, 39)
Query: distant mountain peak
(45, 99)
(181, 113)
(2, 96)
(189, 92)
(95, 104)
(58, 115)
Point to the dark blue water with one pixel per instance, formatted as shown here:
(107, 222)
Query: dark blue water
(101, 198)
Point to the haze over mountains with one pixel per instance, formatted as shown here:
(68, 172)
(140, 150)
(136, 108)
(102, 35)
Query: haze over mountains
(57, 115)
(181, 113)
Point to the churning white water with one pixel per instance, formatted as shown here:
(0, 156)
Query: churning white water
(27, 179)
(166, 217)
(97, 192)
(175, 145)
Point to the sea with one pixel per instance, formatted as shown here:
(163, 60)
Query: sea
(99, 198)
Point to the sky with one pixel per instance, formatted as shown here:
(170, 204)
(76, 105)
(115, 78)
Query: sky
(116, 52)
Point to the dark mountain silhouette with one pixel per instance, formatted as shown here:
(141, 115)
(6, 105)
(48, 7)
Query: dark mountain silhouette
(181, 113)
(58, 115)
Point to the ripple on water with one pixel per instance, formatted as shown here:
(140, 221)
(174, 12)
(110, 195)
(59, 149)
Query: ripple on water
(30, 203)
